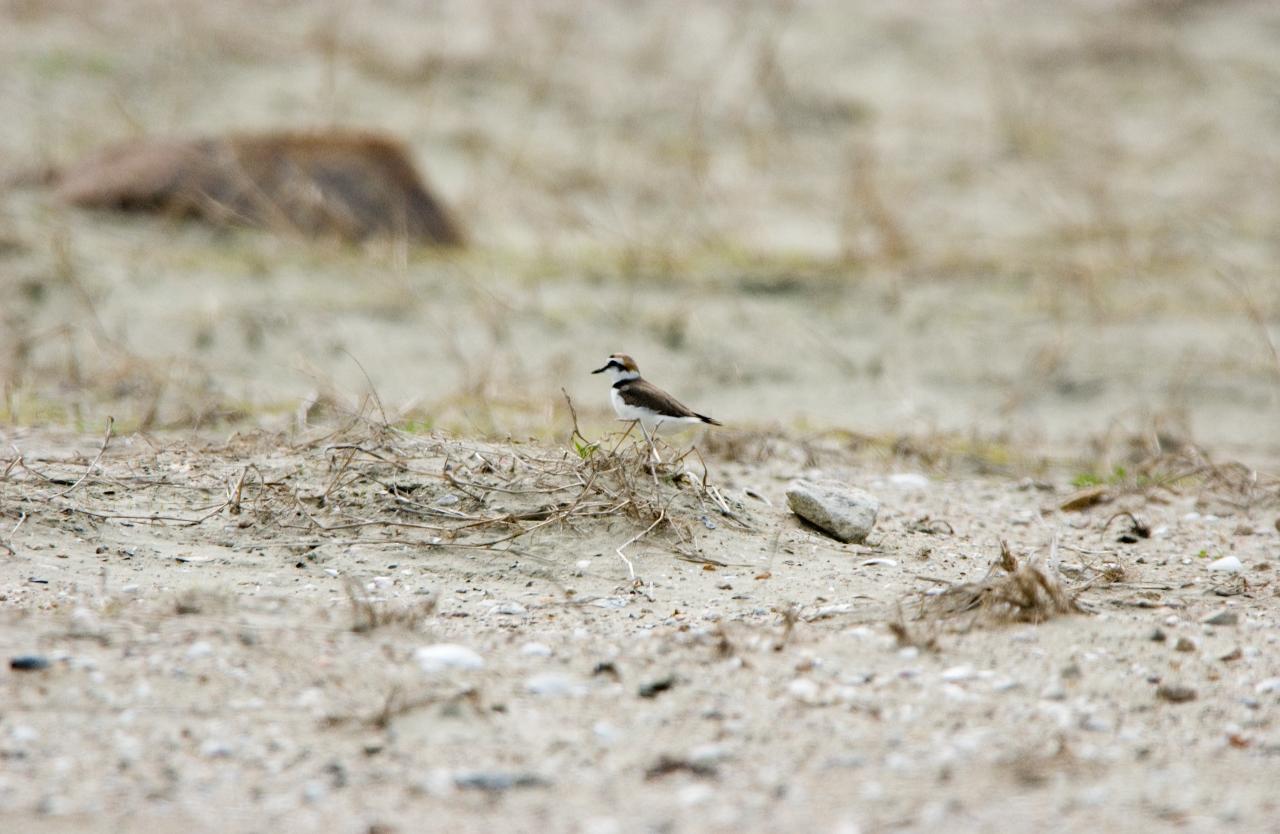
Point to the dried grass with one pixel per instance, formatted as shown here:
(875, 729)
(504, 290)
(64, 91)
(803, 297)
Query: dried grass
(1013, 590)
(368, 615)
(366, 482)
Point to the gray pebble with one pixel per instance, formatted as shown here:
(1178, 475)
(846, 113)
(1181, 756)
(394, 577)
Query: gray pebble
(844, 512)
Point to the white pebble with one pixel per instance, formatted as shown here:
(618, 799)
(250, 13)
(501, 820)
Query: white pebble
(215, 748)
(605, 732)
(552, 685)
(958, 674)
(535, 649)
(707, 755)
(696, 793)
(198, 650)
(870, 563)
(803, 689)
(1267, 686)
(1227, 564)
(441, 656)
(909, 480)
(22, 733)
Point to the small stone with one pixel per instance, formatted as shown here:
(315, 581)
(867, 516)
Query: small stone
(605, 732)
(655, 687)
(24, 734)
(1158, 636)
(552, 685)
(1268, 686)
(29, 663)
(535, 649)
(439, 657)
(708, 755)
(513, 608)
(216, 748)
(695, 794)
(1223, 618)
(1227, 564)
(1184, 644)
(1054, 692)
(844, 512)
(1175, 693)
(497, 781)
(199, 649)
(958, 674)
(607, 667)
(803, 690)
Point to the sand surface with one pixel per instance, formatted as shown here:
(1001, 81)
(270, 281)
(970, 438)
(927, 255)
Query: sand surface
(970, 260)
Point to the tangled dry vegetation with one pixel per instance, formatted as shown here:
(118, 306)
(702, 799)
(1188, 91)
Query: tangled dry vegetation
(1013, 590)
(1036, 588)
(367, 482)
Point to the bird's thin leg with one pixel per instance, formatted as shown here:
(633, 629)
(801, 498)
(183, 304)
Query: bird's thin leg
(653, 467)
(649, 438)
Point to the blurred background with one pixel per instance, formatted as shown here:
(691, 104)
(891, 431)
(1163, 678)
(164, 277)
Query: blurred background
(1047, 223)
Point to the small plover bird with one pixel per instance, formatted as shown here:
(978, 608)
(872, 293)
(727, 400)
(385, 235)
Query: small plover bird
(640, 401)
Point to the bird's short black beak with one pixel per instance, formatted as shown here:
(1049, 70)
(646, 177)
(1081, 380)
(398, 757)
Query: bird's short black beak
(601, 370)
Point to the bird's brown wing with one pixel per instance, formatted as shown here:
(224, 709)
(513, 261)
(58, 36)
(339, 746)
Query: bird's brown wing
(640, 393)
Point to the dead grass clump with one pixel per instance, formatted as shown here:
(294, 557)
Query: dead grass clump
(370, 484)
(1158, 460)
(353, 185)
(907, 637)
(367, 615)
(1012, 591)
(206, 601)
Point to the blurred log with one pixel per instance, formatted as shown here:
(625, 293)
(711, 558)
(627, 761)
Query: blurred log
(354, 185)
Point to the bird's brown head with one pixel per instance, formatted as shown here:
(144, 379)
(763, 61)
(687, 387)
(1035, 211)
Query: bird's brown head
(619, 364)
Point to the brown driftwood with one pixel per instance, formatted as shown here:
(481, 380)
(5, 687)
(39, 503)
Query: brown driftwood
(354, 185)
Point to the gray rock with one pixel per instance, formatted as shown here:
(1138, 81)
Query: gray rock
(844, 512)
(1223, 618)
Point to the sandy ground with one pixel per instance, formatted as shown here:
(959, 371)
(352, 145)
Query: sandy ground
(968, 260)
(210, 670)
